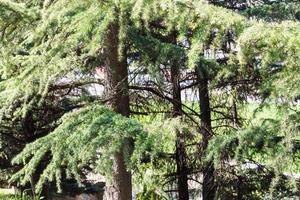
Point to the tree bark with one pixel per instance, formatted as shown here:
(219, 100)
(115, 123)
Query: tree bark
(182, 179)
(117, 89)
(208, 188)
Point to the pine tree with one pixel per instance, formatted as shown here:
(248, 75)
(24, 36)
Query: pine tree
(52, 47)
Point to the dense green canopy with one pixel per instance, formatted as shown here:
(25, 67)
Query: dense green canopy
(247, 54)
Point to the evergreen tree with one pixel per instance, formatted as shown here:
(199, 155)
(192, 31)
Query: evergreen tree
(49, 52)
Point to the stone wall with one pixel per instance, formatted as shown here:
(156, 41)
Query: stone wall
(83, 196)
(71, 191)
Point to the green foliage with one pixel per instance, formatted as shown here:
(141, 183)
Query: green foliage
(276, 11)
(274, 52)
(270, 138)
(13, 197)
(151, 152)
(45, 43)
(42, 59)
(85, 137)
(149, 195)
(153, 158)
(19, 9)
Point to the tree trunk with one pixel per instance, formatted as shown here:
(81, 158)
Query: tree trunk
(182, 179)
(117, 91)
(208, 188)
